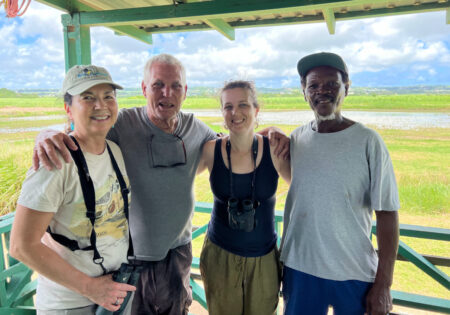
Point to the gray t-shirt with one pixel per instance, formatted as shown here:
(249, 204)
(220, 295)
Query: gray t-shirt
(338, 179)
(163, 198)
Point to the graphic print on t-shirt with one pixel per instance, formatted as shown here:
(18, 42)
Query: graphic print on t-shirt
(109, 213)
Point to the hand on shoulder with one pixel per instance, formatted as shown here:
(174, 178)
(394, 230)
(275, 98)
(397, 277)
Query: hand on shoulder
(47, 144)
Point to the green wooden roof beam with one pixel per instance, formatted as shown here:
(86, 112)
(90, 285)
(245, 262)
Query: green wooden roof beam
(202, 11)
(328, 15)
(133, 32)
(423, 7)
(426, 7)
(75, 6)
(299, 19)
(221, 26)
(233, 8)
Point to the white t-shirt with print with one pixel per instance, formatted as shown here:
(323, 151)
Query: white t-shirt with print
(59, 191)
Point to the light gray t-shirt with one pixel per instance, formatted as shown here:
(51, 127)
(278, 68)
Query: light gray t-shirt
(163, 198)
(338, 179)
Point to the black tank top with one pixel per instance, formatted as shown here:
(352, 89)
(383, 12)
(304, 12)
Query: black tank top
(263, 238)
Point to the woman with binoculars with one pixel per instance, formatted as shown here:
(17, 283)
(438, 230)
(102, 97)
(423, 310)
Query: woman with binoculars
(239, 262)
(70, 224)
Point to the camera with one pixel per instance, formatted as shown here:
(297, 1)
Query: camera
(241, 214)
(127, 273)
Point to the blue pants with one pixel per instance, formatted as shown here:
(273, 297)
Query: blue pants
(307, 294)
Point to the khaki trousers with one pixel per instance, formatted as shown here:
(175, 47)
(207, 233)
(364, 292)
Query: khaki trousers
(236, 285)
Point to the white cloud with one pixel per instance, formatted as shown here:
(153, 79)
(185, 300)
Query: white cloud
(287, 83)
(32, 50)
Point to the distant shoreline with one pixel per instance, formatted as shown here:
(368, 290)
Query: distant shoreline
(212, 91)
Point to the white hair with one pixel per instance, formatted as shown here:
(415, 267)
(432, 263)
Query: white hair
(332, 116)
(166, 59)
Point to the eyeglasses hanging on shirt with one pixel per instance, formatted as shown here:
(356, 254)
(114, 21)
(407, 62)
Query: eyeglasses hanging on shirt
(167, 151)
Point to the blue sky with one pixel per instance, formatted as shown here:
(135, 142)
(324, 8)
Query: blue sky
(404, 50)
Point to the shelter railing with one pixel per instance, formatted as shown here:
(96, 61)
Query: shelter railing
(17, 287)
(426, 263)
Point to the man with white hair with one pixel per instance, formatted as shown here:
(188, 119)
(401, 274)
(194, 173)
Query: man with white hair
(341, 173)
(161, 146)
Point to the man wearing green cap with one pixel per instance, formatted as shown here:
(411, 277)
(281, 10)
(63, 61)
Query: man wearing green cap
(341, 173)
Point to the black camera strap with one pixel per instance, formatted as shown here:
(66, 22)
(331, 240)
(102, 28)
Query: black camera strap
(254, 155)
(87, 187)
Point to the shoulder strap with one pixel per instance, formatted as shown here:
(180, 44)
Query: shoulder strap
(125, 191)
(87, 187)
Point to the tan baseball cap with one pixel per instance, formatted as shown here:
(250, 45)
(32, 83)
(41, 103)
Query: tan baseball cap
(82, 77)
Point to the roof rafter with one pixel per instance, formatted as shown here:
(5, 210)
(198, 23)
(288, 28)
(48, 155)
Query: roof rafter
(222, 27)
(202, 11)
(226, 15)
(339, 16)
(76, 6)
(328, 15)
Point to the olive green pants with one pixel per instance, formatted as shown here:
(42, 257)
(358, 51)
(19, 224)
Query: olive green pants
(239, 285)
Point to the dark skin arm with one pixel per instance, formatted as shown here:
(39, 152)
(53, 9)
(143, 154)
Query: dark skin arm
(278, 138)
(378, 299)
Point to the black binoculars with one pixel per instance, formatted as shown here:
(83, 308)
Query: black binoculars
(127, 273)
(241, 214)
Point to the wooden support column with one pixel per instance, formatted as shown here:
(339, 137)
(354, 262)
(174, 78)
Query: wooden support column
(77, 41)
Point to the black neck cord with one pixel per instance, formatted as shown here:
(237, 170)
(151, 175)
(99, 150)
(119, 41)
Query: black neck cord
(254, 155)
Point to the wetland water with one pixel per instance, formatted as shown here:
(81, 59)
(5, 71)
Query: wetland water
(382, 120)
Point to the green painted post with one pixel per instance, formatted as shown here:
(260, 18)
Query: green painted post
(77, 41)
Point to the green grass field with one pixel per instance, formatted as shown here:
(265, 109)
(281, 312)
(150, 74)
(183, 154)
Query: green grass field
(421, 160)
(420, 103)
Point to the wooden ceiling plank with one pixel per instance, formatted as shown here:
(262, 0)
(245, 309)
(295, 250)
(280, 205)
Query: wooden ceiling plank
(66, 6)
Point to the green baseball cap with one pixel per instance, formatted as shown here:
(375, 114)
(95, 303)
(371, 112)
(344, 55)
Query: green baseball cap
(320, 59)
(82, 77)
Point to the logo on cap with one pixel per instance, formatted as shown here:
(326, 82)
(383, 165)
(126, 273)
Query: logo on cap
(88, 73)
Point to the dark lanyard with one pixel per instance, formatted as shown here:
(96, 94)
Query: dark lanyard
(87, 187)
(254, 155)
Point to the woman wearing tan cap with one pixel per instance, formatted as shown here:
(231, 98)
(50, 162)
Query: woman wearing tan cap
(70, 224)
